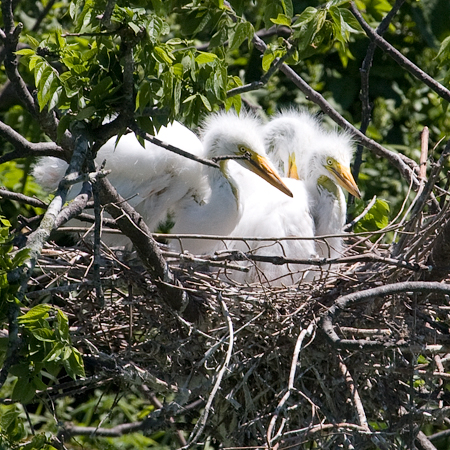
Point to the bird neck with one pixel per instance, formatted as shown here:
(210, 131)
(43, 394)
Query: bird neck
(228, 178)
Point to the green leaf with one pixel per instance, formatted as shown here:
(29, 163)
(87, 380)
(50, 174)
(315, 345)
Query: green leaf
(43, 334)
(85, 113)
(25, 52)
(267, 60)
(306, 16)
(33, 42)
(444, 50)
(162, 56)
(35, 313)
(282, 19)
(242, 32)
(204, 58)
(23, 391)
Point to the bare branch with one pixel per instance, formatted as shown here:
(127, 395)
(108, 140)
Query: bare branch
(25, 148)
(399, 58)
(178, 151)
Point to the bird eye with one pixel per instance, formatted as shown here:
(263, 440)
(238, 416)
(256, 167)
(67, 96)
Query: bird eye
(329, 162)
(242, 149)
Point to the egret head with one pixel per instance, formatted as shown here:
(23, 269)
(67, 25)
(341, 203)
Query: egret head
(304, 150)
(331, 158)
(287, 137)
(227, 134)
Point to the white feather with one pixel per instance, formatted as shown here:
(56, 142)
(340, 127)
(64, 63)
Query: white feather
(158, 183)
(300, 133)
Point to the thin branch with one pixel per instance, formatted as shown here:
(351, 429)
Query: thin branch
(298, 345)
(351, 224)
(399, 58)
(178, 151)
(255, 85)
(366, 106)
(362, 418)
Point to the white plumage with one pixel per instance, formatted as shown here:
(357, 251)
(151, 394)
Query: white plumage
(299, 145)
(268, 214)
(159, 183)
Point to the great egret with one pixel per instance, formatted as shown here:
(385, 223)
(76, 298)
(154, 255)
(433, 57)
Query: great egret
(299, 145)
(159, 184)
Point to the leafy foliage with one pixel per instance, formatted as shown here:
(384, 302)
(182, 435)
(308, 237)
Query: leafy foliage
(186, 56)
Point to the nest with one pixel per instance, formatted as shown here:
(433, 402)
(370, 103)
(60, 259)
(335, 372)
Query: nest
(263, 366)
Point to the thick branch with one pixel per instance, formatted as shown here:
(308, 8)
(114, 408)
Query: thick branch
(132, 225)
(25, 148)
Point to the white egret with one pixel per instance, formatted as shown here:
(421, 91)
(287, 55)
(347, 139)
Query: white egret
(159, 184)
(299, 145)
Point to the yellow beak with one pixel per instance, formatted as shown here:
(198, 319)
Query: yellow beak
(262, 167)
(344, 178)
(292, 169)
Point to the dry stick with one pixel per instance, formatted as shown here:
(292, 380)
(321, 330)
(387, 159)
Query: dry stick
(362, 419)
(200, 425)
(399, 58)
(357, 297)
(298, 345)
(402, 162)
(423, 153)
(423, 442)
(421, 199)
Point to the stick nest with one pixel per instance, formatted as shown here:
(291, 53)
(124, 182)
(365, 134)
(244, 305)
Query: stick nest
(258, 368)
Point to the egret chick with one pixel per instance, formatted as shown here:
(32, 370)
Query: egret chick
(160, 184)
(297, 142)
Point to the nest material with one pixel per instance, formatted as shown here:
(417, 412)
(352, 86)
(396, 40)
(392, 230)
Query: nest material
(258, 369)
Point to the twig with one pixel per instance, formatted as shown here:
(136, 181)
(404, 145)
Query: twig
(298, 345)
(351, 224)
(178, 151)
(423, 153)
(200, 425)
(362, 419)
